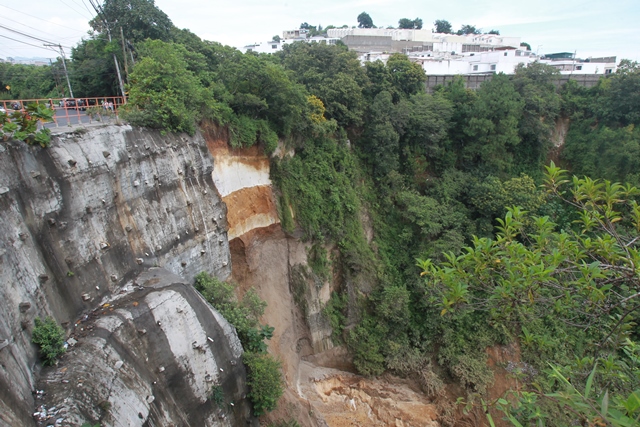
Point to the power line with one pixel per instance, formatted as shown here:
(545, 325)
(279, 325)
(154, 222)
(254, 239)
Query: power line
(20, 41)
(75, 10)
(36, 29)
(32, 16)
(28, 35)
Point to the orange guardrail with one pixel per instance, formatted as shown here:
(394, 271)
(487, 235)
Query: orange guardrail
(69, 111)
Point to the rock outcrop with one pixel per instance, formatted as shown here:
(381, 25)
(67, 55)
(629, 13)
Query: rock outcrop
(151, 355)
(83, 218)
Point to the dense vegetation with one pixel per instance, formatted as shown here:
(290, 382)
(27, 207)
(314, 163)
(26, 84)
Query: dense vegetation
(263, 371)
(429, 173)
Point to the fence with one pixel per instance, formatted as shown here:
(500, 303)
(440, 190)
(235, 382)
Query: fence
(70, 111)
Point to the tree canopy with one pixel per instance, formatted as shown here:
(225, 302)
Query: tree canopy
(138, 19)
(442, 26)
(365, 21)
(410, 24)
(468, 29)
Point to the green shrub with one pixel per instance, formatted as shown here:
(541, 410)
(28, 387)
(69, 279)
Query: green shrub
(335, 312)
(265, 381)
(50, 338)
(244, 315)
(217, 395)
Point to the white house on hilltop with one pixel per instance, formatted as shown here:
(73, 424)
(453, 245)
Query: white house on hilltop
(391, 40)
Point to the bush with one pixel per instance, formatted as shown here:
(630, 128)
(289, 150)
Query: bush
(243, 315)
(50, 338)
(217, 395)
(265, 381)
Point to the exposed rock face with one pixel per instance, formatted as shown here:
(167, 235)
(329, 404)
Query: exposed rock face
(263, 257)
(153, 352)
(77, 224)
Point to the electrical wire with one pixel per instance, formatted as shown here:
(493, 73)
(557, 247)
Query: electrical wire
(36, 29)
(29, 44)
(30, 36)
(75, 10)
(49, 22)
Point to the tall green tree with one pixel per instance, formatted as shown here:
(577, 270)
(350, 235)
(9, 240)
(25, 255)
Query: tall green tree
(410, 24)
(92, 69)
(536, 84)
(493, 126)
(468, 29)
(138, 19)
(165, 94)
(442, 26)
(365, 21)
(331, 73)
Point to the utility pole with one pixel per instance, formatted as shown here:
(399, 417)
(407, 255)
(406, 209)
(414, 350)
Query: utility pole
(64, 64)
(100, 13)
(115, 60)
(124, 55)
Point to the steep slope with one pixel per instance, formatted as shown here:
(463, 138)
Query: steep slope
(152, 354)
(275, 264)
(82, 218)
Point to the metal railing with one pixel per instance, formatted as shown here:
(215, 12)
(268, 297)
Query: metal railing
(72, 111)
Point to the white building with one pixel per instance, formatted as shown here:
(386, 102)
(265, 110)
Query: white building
(506, 61)
(405, 41)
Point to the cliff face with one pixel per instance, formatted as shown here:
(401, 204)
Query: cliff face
(104, 231)
(81, 219)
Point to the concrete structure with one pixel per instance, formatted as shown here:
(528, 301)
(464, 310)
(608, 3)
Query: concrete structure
(498, 61)
(405, 41)
(501, 60)
(475, 80)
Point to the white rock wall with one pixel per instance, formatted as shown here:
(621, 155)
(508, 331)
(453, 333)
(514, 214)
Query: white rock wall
(81, 218)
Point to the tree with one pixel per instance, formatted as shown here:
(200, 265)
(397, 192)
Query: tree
(333, 74)
(410, 24)
(496, 32)
(276, 38)
(406, 76)
(28, 81)
(569, 297)
(365, 21)
(468, 29)
(536, 85)
(264, 381)
(493, 125)
(164, 93)
(525, 45)
(443, 27)
(139, 20)
(92, 69)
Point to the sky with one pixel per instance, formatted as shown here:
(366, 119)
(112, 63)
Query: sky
(591, 28)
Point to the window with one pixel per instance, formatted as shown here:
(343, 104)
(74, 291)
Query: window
(475, 68)
(578, 67)
(506, 54)
(608, 71)
(274, 46)
(493, 67)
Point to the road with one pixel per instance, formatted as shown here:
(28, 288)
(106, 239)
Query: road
(70, 116)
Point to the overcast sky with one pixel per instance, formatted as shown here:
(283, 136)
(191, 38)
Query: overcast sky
(589, 27)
